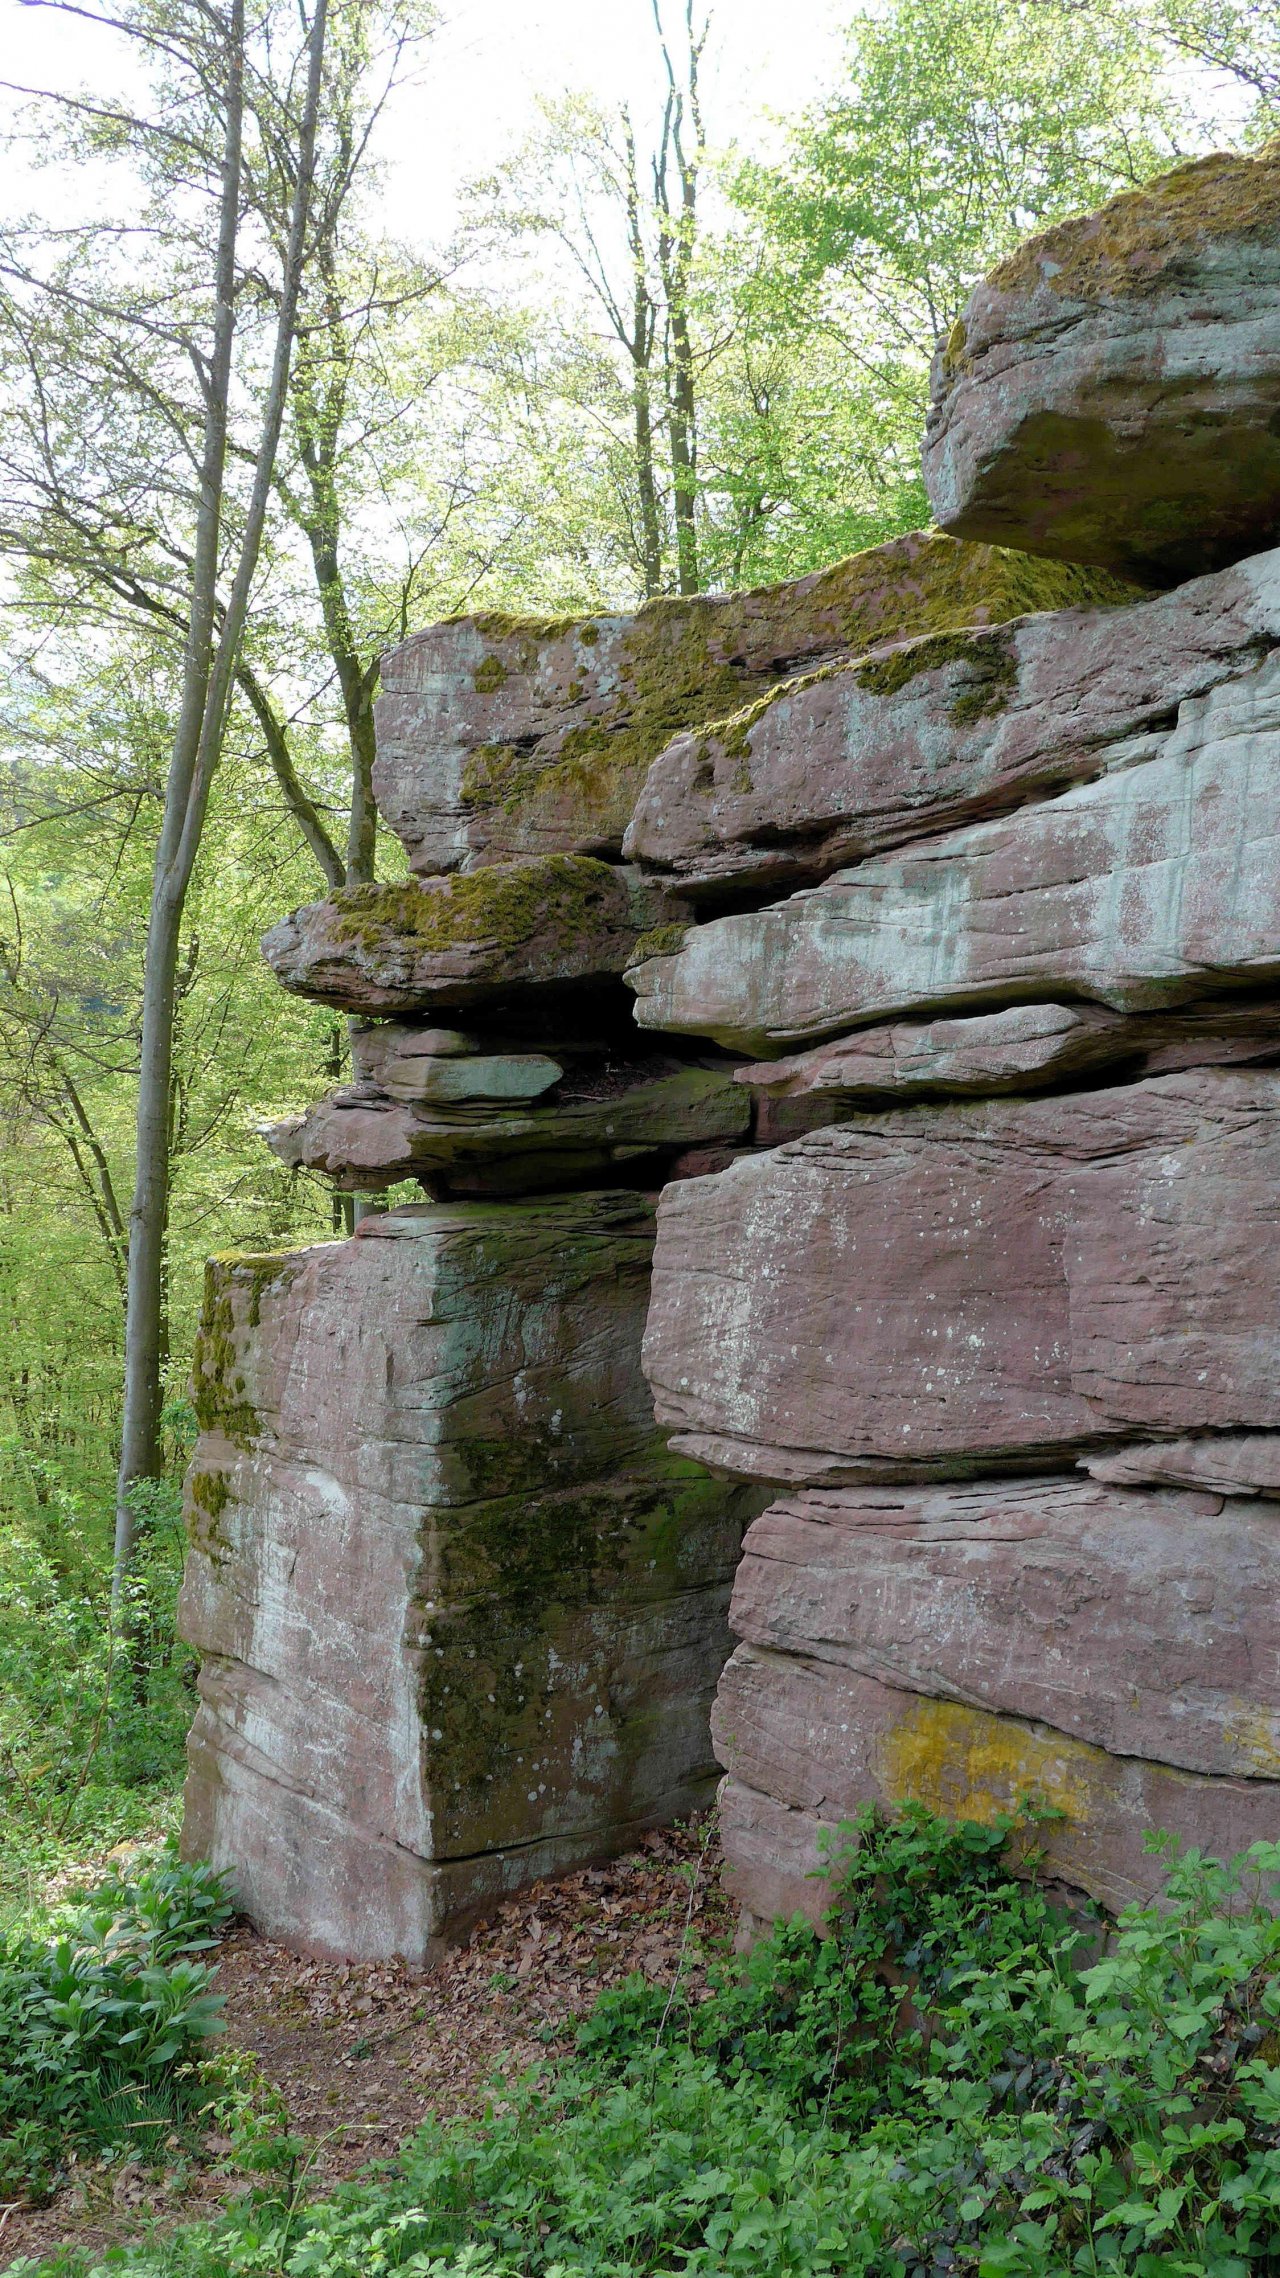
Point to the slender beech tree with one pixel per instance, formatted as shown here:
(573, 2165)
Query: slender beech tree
(209, 664)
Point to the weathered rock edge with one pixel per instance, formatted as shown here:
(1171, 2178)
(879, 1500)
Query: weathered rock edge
(940, 1290)
(1110, 392)
(1155, 884)
(865, 756)
(1108, 1653)
(501, 737)
(460, 1614)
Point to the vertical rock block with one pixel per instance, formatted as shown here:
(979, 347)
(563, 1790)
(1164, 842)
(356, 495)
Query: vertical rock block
(460, 1613)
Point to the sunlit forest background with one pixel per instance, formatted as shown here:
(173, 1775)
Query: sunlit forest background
(647, 357)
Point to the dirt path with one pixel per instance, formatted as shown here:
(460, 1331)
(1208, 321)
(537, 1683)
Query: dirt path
(363, 2055)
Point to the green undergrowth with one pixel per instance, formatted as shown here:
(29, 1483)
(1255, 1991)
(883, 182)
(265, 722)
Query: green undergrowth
(95, 1701)
(951, 2081)
(104, 2015)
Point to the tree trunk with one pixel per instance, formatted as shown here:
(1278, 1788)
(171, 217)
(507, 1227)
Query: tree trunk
(206, 688)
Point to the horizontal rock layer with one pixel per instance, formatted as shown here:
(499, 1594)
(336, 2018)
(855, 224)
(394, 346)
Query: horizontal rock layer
(962, 724)
(810, 1743)
(367, 1138)
(1150, 886)
(1112, 1654)
(480, 941)
(1022, 1049)
(500, 737)
(938, 1287)
(459, 1612)
(1145, 1622)
(1110, 394)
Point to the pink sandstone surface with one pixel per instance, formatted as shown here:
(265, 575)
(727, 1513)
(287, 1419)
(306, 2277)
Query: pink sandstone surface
(459, 1612)
(1111, 390)
(944, 1287)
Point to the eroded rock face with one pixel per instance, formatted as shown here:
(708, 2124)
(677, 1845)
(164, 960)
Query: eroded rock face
(966, 1646)
(810, 1743)
(944, 1287)
(871, 754)
(501, 737)
(1145, 1623)
(1111, 393)
(1022, 1049)
(459, 1612)
(448, 942)
(366, 1138)
(1149, 886)
(1228, 1463)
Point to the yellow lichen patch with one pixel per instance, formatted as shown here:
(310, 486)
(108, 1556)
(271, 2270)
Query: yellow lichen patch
(966, 1763)
(1254, 1733)
(1127, 244)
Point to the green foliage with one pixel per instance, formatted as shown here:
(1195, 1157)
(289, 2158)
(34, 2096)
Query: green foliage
(101, 2022)
(950, 2080)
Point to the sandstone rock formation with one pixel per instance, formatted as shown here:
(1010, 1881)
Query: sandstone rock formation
(950, 908)
(547, 923)
(459, 1612)
(1135, 889)
(968, 1284)
(500, 737)
(870, 754)
(1110, 393)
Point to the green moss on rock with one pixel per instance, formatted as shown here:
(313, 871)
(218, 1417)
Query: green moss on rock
(990, 662)
(660, 941)
(558, 896)
(218, 1385)
(490, 675)
(1125, 247)
(686, 662)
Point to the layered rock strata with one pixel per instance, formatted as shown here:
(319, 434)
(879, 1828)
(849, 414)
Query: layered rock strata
(1139, 888)
(1111, 1652)
(502, 737)
(460, 1614)
(1013, 1358)
(946, 889)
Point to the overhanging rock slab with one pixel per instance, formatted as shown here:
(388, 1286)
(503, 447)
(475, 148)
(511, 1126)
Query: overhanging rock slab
(1110, 392)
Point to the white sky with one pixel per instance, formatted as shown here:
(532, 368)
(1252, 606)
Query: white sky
(475, 94)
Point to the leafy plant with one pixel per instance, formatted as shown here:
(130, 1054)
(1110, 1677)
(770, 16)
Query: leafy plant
(945, 2078)
(102, 2023)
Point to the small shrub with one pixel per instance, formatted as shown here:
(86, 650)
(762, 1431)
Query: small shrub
(947, 2083)
(101, 2022)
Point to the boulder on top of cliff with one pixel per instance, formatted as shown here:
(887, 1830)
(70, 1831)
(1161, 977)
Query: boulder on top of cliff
(865, 756)
(1111, 393)
(459, 1612)
(603, 1115)
(1155, 884)
(938, 1289)
(496, 935)
(500, 736)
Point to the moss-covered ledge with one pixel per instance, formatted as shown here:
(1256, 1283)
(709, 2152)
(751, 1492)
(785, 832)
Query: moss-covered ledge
(502, 736)
(459, 940)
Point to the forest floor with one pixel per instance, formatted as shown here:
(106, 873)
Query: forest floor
(363, 2055)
